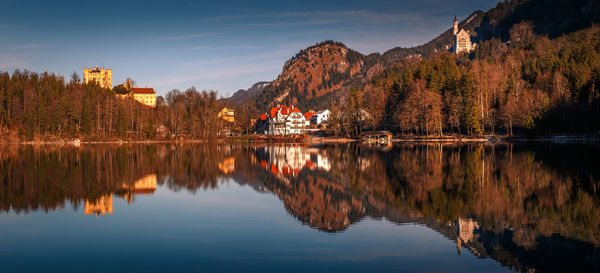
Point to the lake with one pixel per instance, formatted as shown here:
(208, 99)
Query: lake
(300, 208)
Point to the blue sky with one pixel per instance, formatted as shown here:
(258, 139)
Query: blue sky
(212, 45)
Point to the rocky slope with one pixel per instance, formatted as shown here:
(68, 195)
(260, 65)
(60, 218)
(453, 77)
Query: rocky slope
(318, 72)
(251, 93)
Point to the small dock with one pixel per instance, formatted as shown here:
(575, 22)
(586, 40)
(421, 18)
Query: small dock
(376, 137)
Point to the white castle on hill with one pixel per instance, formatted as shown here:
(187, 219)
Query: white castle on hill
(462, 39)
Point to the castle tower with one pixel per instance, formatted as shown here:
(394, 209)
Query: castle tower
(455, 26)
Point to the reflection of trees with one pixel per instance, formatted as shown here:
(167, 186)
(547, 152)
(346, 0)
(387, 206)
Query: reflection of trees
(40, 177)
(518, 202)
(520, 197)
(45, 177)
(192, 166)
(500, 187)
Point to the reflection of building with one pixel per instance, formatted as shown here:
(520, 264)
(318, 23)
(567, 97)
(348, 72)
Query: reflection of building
(102, 206)
(323, 162)
(227, 165)
(144, 185)
(101, 76)
(464, 232)
(145, 95)
(287, 161)
(227, 114)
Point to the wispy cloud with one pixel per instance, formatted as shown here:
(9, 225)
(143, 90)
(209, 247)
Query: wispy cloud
(185, 37)
(12, 62)
(211, 73)
(225, 47)
(318, 18)
(28, 46)
(358, 16)
(312, 21)
(227, 17)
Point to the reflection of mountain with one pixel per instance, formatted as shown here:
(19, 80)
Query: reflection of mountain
(523, 206)
(517, 203)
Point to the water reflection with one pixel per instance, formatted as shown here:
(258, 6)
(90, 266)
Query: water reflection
(522, 205)
(104, 205)
(101, 206)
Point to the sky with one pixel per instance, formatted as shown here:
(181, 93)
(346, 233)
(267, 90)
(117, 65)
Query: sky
(211, 45)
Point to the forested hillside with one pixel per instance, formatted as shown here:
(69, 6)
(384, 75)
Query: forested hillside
(534, 71)
(534, 86)
(45, 107)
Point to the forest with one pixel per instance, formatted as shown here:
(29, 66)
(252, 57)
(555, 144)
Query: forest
(44, 107)
(528, 76)
(530, 85)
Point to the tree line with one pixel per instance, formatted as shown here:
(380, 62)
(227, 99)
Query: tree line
(530, 85)
(46, 107)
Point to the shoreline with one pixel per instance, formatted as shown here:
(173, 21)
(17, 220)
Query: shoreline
(324, 140)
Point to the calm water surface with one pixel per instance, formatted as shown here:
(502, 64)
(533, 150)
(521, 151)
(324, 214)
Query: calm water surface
(339, 208)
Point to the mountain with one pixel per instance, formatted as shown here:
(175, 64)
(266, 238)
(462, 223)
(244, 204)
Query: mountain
(323, 73)
(442, 43)
(316, 73)
(549, 18)
(314, 77)
(251, 93)
(552, 20)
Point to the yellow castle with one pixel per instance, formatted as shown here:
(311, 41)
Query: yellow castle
(101, 76)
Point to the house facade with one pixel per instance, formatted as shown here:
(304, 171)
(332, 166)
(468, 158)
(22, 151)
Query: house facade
(320, 117)
(295, 123)
(144, 95)
(227, 114)
(281, 120)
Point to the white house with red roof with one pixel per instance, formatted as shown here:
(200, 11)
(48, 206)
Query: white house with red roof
(285, 120)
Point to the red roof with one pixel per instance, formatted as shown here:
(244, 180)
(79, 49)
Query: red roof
(274, 112)
(263, 117)
(309, 114)
(286, 110)
(146, 90)
(296, 110)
